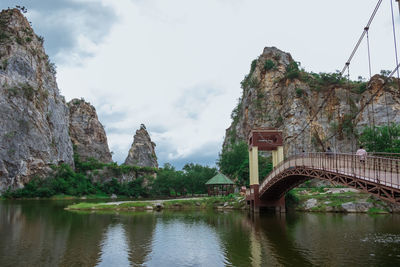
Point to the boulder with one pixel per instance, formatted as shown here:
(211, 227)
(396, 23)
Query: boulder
(310, 203)
(362, 207)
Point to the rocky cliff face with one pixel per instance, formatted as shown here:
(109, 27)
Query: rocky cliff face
(33, 115)
(277, 93)
(142, 152)
(87, 133)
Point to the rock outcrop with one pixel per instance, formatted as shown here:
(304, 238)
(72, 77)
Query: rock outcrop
(87, 133)
(142, 152)
(33, 115)
(278, 94)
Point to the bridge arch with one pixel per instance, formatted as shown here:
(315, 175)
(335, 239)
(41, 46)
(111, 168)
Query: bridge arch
(378, 175)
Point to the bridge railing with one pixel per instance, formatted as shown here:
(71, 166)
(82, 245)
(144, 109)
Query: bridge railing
(377, 169)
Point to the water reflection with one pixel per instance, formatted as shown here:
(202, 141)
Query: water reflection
(40, 233)
(114, 247)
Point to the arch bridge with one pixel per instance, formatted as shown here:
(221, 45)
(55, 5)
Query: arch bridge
(378, 175)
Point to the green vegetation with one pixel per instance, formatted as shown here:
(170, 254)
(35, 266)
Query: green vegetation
(40, 39)
(234, 162)
(381, 139)
(292, 71)
(191, 180)
(323, 81)
(68, 182)
(269, 65)
(299, 92)
(377, 210)
(332, 202)
(348, 126)
(22, 89)
(246, 80)
(231, 201)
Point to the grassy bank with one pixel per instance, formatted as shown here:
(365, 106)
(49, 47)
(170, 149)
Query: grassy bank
(228, 202)
(338, 200)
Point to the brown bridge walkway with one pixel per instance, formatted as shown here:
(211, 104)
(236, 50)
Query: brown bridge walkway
(379, 175)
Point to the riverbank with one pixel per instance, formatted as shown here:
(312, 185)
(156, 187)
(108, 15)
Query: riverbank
(345, 200)
(316, 199)
(219, 203)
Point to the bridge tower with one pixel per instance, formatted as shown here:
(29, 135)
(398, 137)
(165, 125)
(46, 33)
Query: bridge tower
(263, 139)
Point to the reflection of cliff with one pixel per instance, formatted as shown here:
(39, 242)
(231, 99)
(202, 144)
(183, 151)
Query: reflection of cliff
(22, 226)
(139, 229)
(84, 238)
(234, 237)
(41, 233)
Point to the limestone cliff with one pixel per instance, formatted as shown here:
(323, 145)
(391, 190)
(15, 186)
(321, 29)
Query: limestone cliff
(33, 115)
(142, 152)
(87, 133)
(277, 93)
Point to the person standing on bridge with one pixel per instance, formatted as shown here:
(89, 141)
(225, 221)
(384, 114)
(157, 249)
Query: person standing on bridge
(362, 154)
(329, 152)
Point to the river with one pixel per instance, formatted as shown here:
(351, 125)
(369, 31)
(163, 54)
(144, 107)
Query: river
(42, 233)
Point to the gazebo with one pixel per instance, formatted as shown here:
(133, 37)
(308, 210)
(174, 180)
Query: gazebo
(219, 185)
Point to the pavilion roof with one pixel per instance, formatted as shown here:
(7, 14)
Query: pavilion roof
(219, 179)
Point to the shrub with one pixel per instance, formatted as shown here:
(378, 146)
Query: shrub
(292, 70)
(269, 65)
(253, 83)
(299, 92)
(28, 91)
(291, 198)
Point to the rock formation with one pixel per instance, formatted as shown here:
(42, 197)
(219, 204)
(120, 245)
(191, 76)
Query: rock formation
(87, 133)
(278, 94)
(33, 114)
(142, 151)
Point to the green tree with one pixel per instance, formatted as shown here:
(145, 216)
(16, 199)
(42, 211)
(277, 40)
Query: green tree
(234, 162)
(381, 139)
(168, 182)
(195, 177)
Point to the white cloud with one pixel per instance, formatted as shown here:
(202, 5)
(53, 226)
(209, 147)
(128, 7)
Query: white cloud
(177, 65)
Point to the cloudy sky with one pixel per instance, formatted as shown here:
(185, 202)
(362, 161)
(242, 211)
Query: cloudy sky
(176, 65)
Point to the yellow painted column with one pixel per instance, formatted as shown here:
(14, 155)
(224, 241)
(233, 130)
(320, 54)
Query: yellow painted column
(253, 162)
(274, 158)
(277, 156)
(250, 167)
(280, 154)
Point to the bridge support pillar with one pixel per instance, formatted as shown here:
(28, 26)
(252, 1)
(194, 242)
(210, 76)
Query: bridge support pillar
(255, 205)
(253, 166)
(277, 156)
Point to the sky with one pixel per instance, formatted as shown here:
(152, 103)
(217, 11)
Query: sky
(176, 65)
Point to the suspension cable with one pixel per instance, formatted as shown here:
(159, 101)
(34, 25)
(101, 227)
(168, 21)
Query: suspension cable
(342, 72)
(369, 53)
(370, 77)
(394, 40)
(369, 100)
(361, 37)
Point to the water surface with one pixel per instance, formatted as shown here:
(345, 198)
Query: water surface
(42, 233)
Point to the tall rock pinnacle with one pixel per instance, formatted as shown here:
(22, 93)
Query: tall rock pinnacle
(87, 133)
(142, 152)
